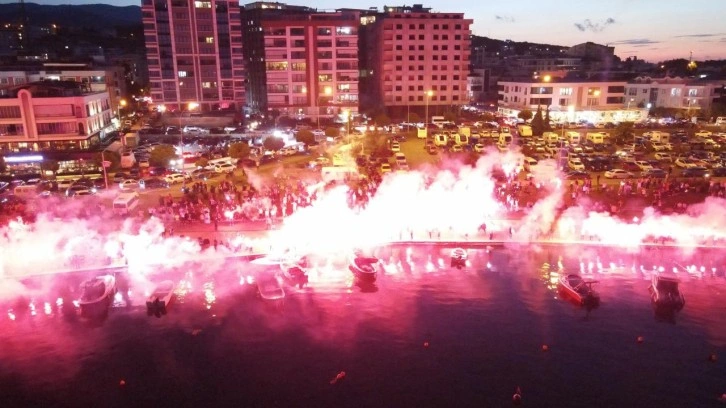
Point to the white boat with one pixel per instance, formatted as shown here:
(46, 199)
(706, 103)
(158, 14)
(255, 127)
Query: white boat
(158, 302)
(364, 268)
(269, 286)
(97, 295)
(458, 258)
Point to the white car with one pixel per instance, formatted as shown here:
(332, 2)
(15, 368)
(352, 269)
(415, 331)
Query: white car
(395, 147)
(174, 178)
(224, 168)
(663, 157)
(575, 163)
(618, 174)
(129, 184)
(685, 163)
(478, 147)
(400, 158)
(643, 165)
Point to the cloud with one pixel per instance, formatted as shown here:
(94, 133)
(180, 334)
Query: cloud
(698, 35)
(595, 27)
(636, 42)
(506, 19)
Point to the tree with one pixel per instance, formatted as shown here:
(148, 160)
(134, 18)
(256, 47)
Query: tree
(238, 150)
(413, 117)
(49, 165)
(202, 162)
(382, 120)
(113, 157)
(161, 155)
(624, 133)
(547, 124)
(489, 117)
(305, 136)
(273, 143)
(525, 115)
(450, 116)
(537, 123)
(332, 132)
(3, 166)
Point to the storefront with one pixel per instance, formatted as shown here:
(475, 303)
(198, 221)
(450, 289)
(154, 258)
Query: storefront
(69, 163)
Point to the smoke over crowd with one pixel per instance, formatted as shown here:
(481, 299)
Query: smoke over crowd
(456, 202)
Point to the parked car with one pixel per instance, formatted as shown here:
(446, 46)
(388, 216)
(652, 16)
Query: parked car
(694, 172)
(175, 178)
(618, 174)
(224, 168)
(129, 184)
(153, 182)
(77, 189)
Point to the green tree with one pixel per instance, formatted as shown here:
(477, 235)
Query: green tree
(450, 116)
(624, 133)
(161, 155)
(332, 132)
(202, 162)
(413, 117)
(49, 165)
(305, 136)
(113, 157)
(537, 123)
(382, 120)
(239, 150)
(525, 115)
(547, 124)
(273, 143)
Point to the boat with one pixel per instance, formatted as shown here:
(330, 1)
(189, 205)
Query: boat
(97, 295)
(158, 302)
(579, 290)
(268, 286)
(664, 292)
(364, 268)
(458, 258)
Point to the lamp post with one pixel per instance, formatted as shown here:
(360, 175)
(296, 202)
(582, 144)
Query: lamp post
(429, 94)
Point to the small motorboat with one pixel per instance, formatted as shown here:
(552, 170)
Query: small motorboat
(97, 295)
(364, 268)
(269, 286)
(579, 290)
(459, 258)
(158, 302)
(664, 292)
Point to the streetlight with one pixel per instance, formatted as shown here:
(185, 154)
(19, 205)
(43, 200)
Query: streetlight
(429, 94)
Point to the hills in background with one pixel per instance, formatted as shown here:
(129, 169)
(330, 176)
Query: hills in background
(99, 17)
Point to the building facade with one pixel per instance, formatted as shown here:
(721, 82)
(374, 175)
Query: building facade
(417, 61)
(693, 97)
(311, 65)
(53, 115)
(194, 53)
(572, 101)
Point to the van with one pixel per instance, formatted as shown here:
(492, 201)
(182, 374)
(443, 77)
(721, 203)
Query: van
(438, 120)
(125, 203)
(659, 137)
(550, 137)
(461, 139)
(524, 130)
(573, 137)
(721, 121)
(596, 137)
(440, 139)
(128, 160)
(505, 139)
(26, 191)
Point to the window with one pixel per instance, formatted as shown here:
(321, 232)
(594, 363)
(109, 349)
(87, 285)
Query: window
(209, 84)
(616, 89)
(675, 91)
(277, 66)
(399, 48)
(399, 88)
(563, 102)
(203, 4)
(566, 91)
(399, 26)
(435, 77)
(182, 74)
(411, 37)
(541, 90)
(399, 37)
(693, 92)
(614, 100)
(436, 26)
(209, 40)
(297, 31)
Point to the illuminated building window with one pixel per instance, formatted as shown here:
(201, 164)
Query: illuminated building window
(182, 74)
(209, 40)
(203, 4)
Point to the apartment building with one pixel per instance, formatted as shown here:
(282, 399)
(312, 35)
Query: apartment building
(693, 96)
(53, 115)
(416, 60)
(571, 101)
(194, 53)
(97, 79)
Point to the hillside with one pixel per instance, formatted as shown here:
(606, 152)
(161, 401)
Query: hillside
(93, 16)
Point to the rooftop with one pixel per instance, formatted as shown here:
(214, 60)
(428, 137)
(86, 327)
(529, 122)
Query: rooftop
(49, 89)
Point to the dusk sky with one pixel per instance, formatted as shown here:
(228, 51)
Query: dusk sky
(653, 30)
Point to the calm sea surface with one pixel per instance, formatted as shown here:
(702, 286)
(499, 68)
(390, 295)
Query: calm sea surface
(425, 336)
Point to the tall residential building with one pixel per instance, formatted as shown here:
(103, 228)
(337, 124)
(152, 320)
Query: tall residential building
(303, 63)
(194, 53)
(416, 60)
(254, 45)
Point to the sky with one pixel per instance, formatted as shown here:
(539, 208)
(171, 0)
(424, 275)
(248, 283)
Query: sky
(653, 30)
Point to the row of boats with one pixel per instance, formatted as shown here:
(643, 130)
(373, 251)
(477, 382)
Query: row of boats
(664, 291)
